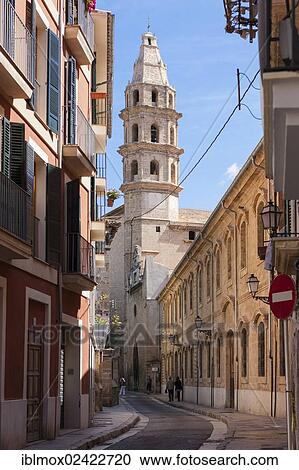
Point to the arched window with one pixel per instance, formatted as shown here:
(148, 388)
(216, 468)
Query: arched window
(218, 354)
(200, 361)
(191, 292)
(261, 350)
(209, 277)
(154, 168)
(135, 97)
(282, 369)
(191, 363)
(173, 175)
(170, 100)
(135, 133)
(172, 136)
(127, 100)
(135, 311)
(229, 259)
(208, 360)
(243, 238)
(154, 96)
(244, 346)
(199, 286)
(218, 270)
(134, 169)
(154, 134)
(180, 304)
(185, 299)
(260, 227)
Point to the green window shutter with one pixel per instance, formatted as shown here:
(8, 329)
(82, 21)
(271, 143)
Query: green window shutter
(53, 92)
(93, 199)
(29, 169)
(17, 153)
(54, 227)
(73, 206)
(71, 104)
(5, 150)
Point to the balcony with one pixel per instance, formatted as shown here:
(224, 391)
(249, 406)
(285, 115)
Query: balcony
(16, 46)
(100, 254)
(286, 243)
(99, 119)
(79, 264)
(78, 157)
(15, 221)
(79, 34)
(97, 232)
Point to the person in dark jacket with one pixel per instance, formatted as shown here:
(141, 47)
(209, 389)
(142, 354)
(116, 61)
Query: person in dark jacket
(178, 388)
(169, 388)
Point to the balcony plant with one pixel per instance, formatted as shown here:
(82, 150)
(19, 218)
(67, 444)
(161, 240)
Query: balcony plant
(90, 5)
(112, 195)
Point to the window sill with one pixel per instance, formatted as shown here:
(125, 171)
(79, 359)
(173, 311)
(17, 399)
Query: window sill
(262, 380)
(244, 380)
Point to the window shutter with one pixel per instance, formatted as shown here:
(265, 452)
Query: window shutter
(73, 207)
(54, 214)
(72, 100)
(94, 88)
(5, 161)
(53, 100)
(69, 12)
(17, 153)
(93, 199)
(29, 169)
(31, 25)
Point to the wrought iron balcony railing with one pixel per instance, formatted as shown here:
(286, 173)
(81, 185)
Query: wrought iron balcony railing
(101, 165)
(16, 39)
(79, 256)
(82, 18)
(290, 221)
(15, 209)
(85, 136)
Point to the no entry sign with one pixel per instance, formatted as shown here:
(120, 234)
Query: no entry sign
(282, 296)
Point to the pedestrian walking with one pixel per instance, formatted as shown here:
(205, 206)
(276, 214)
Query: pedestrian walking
(178, 388)
(149, 385)
(122, 385)
(170, 389)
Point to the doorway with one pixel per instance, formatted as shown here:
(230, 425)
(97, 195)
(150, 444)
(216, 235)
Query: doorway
(34, 386)
(230, 389)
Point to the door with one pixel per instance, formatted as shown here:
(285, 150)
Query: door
(231, 370)
(34, 387)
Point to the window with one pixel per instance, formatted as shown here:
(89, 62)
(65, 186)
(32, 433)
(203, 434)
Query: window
(243, 245)
(135, 133)
(260, 227)
(158, 229)
(261, 350)
(154, 96)
(154, 168)
(209, 277)
(208, 360)
(191, 292)
(199, 286)
(127, 100)
(185, 299)
(218, 270)
(53, 88)
(180, 303)
(134, 169)
(229, 259)
(170, 101)
(173, 175)
(191, 235)
(244, 347)
(171, 136)
(154, 134)
(149, 41)
(218, 357)
(282, 370)
(135, 311)
(135, 97)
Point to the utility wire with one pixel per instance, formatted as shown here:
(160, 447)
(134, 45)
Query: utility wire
(253, 115)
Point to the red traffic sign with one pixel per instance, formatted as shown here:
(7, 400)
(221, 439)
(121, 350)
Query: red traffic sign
(282, 296)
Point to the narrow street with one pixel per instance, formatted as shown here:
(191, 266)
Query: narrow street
(168, 428)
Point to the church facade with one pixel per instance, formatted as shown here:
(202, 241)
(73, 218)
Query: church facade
(153, 232)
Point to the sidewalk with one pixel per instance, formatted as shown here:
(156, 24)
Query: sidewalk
(108, 424)
(244, 431)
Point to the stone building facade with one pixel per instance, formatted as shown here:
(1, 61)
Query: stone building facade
(153, 233)
(237, 359)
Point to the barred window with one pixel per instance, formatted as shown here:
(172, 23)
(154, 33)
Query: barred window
(261, 350)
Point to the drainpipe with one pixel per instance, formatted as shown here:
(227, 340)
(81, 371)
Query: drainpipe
(236, 305)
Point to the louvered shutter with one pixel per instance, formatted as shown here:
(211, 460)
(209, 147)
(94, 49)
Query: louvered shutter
(73, 206)
(93, 199)
(5, 147)
(54, 214)
(69, 12)
(29, 169)
(31, 25)
(53, 92)
(94, 88)
(72, 100)
(17, 153)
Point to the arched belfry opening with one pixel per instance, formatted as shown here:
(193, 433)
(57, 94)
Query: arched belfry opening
(134, 169)
(154, 134)
(135, 133)
(135, 97)
(154, 168)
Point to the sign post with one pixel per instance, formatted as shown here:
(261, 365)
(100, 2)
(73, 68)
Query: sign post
(282, 300)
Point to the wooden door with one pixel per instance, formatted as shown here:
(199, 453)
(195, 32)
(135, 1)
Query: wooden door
(34, 387)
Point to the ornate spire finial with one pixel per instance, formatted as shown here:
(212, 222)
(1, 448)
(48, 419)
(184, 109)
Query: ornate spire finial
(148, 24)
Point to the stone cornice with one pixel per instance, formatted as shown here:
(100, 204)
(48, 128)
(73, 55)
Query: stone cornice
(134, 111)
(127, 149)
(151, 186)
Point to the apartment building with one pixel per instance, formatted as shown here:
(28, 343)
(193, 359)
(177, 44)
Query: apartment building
(56, 61)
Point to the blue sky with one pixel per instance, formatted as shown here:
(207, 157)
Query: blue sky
(202, 61)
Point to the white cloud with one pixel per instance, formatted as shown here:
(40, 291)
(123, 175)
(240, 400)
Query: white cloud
(231, 172)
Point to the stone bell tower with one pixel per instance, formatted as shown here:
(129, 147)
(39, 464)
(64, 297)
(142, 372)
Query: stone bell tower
(150, 157)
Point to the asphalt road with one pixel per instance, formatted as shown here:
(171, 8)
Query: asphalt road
(168, 428)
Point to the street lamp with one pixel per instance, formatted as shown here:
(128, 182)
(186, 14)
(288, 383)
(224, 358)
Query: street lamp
(253, 287)
(271, 217)
(198, 325)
